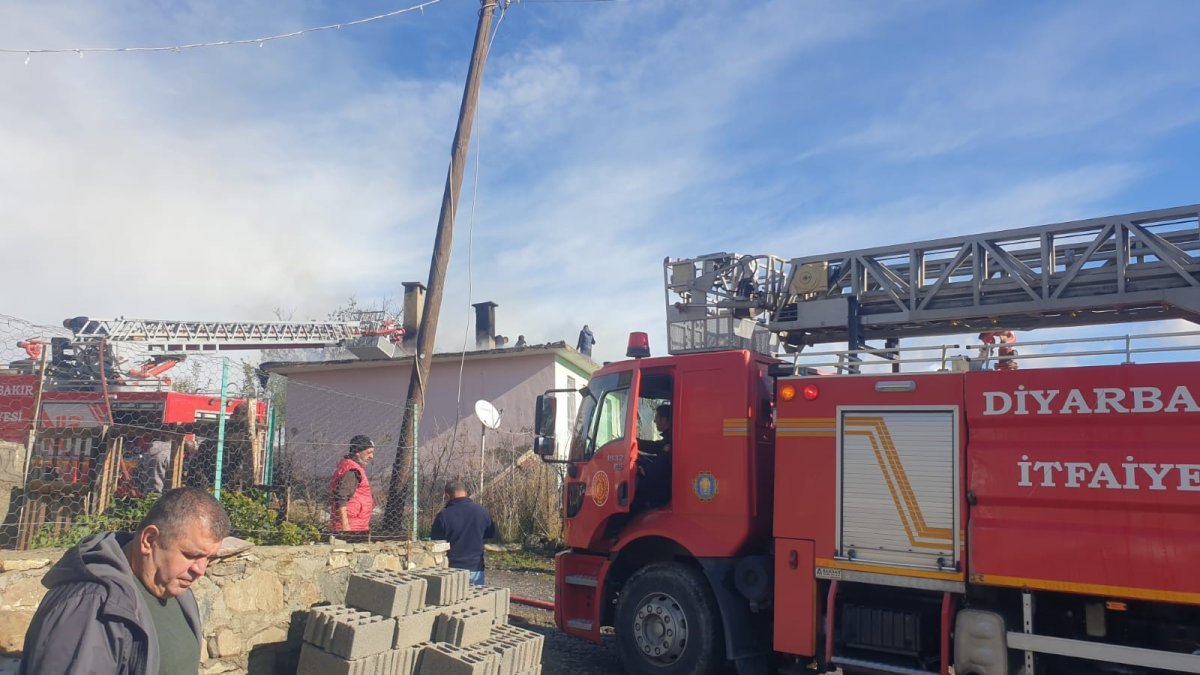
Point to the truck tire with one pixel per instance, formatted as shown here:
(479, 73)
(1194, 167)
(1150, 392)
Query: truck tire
(668, 623)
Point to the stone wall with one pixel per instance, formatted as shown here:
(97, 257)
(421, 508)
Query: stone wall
(252, 603)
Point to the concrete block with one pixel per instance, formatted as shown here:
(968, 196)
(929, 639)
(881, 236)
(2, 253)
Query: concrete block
(349, 633)
(445, 659)
(529, 645)
(463, 627)
(503, 604)
(444, 586)
(382, 662)
(395, 662)
(322, 621)
(536, 670)
(362, 635)
(401, 661)
(498, 600)
(386, 593)
(419, 655)
(509, 652)
(415, 628)
(316, 661)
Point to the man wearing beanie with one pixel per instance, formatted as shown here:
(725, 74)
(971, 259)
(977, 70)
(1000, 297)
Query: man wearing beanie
(350, 500)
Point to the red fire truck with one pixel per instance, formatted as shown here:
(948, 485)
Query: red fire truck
(970, 513)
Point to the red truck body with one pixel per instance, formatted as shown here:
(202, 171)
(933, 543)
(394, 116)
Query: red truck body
(876, 522)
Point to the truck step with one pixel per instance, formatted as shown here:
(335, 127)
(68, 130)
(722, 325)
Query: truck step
(582, 580)
(579, 624)
(863, 665)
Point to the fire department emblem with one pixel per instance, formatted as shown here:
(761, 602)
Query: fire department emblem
(599, 488)
(705, 486)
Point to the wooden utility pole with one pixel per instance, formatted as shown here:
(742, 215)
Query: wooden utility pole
(406, 448)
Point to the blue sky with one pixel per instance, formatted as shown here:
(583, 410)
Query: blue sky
(224, 183)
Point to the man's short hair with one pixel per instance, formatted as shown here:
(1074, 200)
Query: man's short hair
(176, 509)
(664, 410)
(455, 486)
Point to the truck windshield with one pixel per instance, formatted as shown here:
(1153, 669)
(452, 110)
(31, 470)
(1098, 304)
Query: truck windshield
(602, 414)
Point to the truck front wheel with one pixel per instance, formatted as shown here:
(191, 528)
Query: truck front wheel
(668, 623)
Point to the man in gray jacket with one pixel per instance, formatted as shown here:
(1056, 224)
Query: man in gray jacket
(122, 602)
(151, 472)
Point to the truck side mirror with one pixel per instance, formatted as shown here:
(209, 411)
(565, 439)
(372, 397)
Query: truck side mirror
(543, 446)
(544, 417)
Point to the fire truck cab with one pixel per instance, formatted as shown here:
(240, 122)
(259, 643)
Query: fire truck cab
(711, 508)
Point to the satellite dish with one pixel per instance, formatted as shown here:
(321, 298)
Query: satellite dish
(487, 413)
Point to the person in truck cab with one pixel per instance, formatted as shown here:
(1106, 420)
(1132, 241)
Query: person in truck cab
(654, 463)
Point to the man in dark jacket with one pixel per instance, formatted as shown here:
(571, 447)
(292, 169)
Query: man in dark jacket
(465, 525)
(122, 602)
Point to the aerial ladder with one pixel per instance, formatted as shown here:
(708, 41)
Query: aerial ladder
(77, 362)
(1123, 268)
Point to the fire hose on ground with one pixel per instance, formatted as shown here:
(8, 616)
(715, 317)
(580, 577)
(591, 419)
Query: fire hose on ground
(533, 602)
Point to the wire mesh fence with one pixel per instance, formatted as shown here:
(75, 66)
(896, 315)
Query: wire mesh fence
(91, 431)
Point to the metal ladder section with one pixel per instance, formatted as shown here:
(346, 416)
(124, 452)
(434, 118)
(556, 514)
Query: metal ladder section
(213, 335)
(1132, 267)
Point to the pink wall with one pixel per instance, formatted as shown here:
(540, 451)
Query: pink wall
(328, 404)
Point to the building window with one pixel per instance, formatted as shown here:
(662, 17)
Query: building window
(571, 404)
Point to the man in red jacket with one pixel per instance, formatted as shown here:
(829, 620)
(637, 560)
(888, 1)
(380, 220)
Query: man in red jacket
(350, 499)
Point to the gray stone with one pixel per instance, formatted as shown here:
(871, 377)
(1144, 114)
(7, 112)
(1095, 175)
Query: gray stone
(232, 546)
(258, 591)
(19, 565)
(225, 643)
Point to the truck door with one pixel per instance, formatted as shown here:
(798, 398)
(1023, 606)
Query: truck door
(899, 493)
(598, 482)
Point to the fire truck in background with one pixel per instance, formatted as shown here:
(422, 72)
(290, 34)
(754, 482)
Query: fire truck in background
(940, 513)
(85, 382)
(77, 405)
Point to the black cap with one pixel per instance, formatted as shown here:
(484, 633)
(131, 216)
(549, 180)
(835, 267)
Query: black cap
(360, 443)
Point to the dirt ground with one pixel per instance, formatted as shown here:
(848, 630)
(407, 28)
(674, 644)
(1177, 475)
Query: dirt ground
(561, 653)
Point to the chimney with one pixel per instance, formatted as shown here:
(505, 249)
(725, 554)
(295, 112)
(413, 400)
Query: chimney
(485, 325)
(414, 305)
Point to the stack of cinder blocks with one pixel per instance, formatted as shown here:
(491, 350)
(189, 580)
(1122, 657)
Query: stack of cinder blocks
(422, 622)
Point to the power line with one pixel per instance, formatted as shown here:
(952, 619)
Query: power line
(225, 43)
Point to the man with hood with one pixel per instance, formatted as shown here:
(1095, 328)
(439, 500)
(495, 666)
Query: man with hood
(122, 602)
